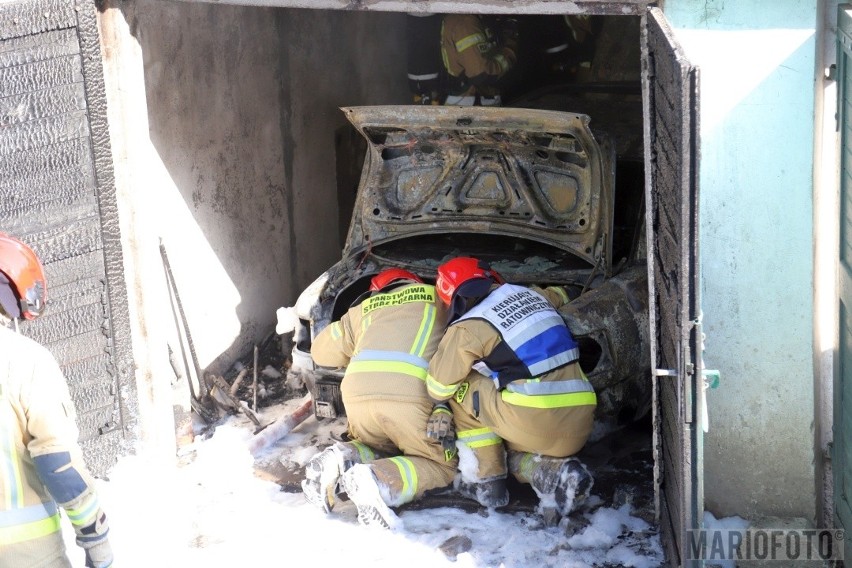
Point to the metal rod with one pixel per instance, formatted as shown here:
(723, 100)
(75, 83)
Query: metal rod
(254, 383)
(202, 386)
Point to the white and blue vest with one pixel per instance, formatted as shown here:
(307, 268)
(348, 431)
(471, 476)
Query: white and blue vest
(535, 337)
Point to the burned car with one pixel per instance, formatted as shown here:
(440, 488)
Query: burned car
(531, 192)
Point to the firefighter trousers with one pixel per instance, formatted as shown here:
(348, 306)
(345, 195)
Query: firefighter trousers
(488, 426)
(392, 427)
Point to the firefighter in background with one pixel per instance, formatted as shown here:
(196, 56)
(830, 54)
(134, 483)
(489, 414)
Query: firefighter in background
(558, 49)
(385, 341)
(42, 464)
(508, 366)
(584, 31)
(570, 47)
(423, 35)
(477, 57)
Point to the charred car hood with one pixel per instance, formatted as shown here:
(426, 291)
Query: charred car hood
(523, 173)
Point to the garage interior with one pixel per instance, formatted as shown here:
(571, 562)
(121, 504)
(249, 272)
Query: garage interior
(243, 110)
(258, 90)
(233, 151)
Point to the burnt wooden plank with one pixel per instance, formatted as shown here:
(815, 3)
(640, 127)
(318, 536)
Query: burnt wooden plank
(28, 106)
(72, 270)
(96, 420)
(45, 132)
(70, 324)
(73, 349)
(19, 19)
(40, 76)
(38, 195)
(54, 243)
(94, 400)
(33, 48)
(60, 157)
(84, 372)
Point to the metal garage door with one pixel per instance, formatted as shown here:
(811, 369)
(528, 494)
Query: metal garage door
(57, 194)
(671, 166)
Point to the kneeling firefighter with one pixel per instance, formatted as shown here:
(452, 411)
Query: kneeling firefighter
(508, 367)
(385, 342)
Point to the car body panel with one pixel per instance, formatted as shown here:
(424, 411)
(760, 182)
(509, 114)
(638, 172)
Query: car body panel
(515, 172)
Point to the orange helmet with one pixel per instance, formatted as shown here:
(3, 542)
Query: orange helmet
(23, 287)
(389, 275)
(457, 271)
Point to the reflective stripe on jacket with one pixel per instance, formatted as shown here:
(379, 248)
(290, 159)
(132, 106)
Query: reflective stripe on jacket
(28, 523)
(387, 337)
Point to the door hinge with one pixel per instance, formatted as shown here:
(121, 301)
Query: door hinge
(831, 72)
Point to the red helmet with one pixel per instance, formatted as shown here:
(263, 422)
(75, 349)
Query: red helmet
(457, 271)
(23, 287)
(389, 275)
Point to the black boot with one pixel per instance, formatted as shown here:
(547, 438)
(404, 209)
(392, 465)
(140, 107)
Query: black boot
(561, 485)
(491, 493)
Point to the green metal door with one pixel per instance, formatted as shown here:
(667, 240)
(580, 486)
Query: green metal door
(842, 446)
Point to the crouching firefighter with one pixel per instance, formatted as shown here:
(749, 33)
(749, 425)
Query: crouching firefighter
(41, 467)
(385, 341)
(508, 368)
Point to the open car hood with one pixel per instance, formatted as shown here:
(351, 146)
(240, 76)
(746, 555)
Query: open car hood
(522, 173)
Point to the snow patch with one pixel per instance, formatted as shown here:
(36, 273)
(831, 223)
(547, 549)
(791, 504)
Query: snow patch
(214, 511)
(606, 526)
(726, 523)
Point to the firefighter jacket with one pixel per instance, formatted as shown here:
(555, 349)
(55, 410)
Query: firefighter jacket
(516, 337)
(549, 411)
(40, 461)
(472, 56)
(385, 342)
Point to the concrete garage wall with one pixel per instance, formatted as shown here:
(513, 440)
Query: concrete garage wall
(329, 59)
(757, 62)
(223, 123)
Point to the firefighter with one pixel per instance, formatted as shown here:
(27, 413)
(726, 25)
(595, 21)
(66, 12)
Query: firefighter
(567, 46)
(42, 461)
(476, 58)
(508, 366)
(385, 341)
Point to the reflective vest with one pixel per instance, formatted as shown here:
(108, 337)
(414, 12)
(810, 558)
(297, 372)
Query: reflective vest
(535, 339)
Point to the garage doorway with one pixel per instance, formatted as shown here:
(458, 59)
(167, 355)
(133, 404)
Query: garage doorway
(656, 132)
(657, 211)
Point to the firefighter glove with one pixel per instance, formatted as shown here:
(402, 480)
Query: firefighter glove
(440, 423)
(98, 553)
(440, 427)
(94, 540)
